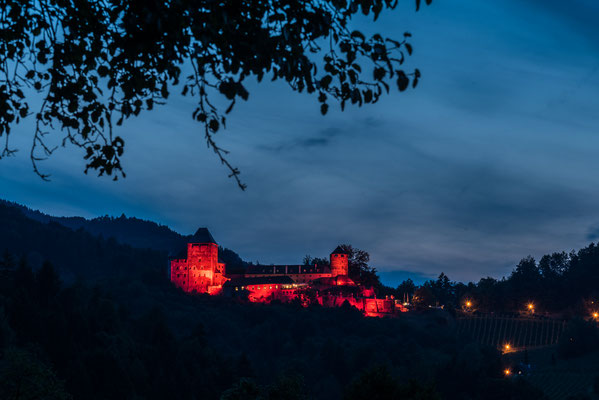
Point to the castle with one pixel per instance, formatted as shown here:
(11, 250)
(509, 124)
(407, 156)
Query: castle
(196, 269)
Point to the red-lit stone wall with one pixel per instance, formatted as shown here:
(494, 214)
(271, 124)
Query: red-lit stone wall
(378, 307)
(337, 301)
(339, 264)
(179, 273)
(200, 272)
(265, 293)
(201, 260)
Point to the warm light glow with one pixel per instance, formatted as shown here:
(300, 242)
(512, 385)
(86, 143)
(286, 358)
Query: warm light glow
(507, 372)
(531, 306)
(507, 347)
(468, 304)
(596, 315)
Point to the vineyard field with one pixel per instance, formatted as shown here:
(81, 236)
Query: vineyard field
(519, 332)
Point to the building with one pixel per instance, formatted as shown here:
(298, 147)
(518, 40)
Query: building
(339, 266)
(196, 268)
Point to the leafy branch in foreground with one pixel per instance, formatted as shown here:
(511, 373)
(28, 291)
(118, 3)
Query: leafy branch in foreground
(97, 63)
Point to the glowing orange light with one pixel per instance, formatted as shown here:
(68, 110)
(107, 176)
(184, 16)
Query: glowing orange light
(531, 306)
(468, 304)
(507, 347)
(596, 315)
(507, 372)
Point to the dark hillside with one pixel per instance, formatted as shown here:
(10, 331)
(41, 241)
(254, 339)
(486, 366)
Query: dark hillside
(146, 340)
(126, 230)
(135, 232)
(76, 254)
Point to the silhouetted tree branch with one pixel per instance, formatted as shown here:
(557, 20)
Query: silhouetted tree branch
(97, 63)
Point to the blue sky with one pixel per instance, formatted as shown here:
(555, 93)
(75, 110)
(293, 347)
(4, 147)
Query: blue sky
(492, 158)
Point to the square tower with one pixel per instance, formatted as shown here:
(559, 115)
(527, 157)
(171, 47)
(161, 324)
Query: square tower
(339, 262)
(200, 270)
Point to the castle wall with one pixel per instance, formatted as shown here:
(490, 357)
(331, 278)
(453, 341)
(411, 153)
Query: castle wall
(378, 307)
(200, 272)
(179, 273)
(339, 264)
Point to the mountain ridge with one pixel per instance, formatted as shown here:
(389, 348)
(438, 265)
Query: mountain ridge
(130, 231)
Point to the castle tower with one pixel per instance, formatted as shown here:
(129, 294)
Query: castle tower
(339, 262)
(200, 271)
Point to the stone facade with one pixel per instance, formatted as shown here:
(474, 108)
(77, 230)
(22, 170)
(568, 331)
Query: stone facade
(199, 271)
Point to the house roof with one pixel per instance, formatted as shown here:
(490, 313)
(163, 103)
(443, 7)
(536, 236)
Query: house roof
(339, 250)
(287, 269)
(265, 280)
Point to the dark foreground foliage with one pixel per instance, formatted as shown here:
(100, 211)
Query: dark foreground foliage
(136, 339)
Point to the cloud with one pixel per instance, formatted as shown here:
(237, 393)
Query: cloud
(322, 138)
(593, 233)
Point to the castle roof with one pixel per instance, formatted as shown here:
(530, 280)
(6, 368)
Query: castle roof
(339, 250)
(286, 269)
(202, 235)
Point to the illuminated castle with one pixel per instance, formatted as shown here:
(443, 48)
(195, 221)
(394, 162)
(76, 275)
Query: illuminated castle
(196, 268)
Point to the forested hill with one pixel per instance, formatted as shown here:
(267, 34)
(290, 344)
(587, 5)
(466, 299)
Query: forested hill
(135, 232)
(76, 254)
(126, 230)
